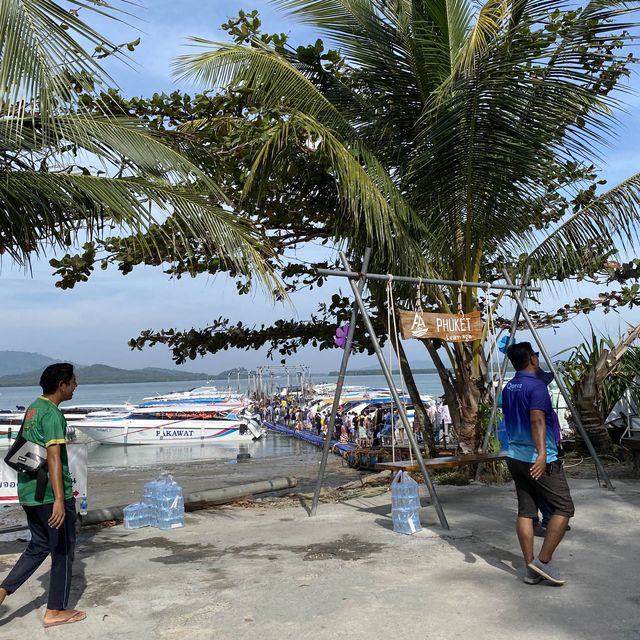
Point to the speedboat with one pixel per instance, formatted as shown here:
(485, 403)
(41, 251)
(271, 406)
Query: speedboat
(174, 424)
(11, 420)
(198, 395)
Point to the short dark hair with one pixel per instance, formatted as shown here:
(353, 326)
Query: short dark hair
(519, 353)
(54, 374)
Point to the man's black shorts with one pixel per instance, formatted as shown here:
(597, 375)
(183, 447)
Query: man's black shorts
(551, 488)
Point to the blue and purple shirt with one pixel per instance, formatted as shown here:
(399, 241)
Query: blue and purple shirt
(523, 394)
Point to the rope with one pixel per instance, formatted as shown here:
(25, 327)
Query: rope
(493, 349)
(389, 303)
(402, 385)
(393, 329)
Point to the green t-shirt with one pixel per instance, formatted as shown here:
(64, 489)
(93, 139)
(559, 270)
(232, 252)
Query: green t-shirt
(45, 425)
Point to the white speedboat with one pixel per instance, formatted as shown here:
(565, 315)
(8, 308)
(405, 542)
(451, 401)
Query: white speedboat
(173, 424)
(11, 421)
(199, 395)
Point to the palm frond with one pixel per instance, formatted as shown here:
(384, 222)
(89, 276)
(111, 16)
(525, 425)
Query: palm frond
(40, 209)
(487, 142)
(274, 81)
(375, 213)
(42, 58)
(613, 214)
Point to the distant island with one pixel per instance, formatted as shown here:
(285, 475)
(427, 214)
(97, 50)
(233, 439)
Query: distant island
(23, 369)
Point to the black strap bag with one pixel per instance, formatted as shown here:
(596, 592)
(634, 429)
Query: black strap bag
(28, 457)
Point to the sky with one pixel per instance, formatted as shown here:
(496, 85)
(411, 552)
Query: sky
(93, 322)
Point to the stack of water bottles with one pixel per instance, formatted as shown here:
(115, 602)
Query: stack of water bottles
(162, 506)
(405, 504)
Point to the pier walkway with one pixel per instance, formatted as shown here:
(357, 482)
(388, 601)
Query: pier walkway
(312, 437)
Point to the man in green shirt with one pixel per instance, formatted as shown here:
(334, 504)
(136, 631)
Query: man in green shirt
(52, 520)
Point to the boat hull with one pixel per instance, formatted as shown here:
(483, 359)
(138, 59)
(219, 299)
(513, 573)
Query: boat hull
(152, 432)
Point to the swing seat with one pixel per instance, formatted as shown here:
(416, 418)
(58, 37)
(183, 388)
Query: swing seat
(444, 462)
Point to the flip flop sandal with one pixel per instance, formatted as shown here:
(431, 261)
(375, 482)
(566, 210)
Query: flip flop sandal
(76, 616)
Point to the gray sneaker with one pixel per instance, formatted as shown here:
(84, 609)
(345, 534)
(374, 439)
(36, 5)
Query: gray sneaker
(547, 571)
(531, 576)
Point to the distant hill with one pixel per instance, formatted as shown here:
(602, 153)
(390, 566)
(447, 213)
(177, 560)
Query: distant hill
(101, 374)
(17, 362)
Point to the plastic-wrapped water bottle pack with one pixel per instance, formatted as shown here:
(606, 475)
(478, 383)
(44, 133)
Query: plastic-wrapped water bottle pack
(405, 504)
(162, 506)
(137, 515)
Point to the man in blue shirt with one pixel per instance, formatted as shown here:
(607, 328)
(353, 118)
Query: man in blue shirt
(532, 458)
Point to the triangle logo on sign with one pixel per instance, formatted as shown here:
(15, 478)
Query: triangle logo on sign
(418, 327)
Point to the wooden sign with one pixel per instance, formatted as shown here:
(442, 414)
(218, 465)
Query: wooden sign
(450, 327)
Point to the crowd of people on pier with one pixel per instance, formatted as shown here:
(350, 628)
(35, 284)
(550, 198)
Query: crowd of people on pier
(375, 426)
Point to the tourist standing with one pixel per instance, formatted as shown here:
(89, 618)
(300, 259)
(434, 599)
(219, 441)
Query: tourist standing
(444, 416)
(432, 414)
(337, 426)
(51, 520)
(533, 461)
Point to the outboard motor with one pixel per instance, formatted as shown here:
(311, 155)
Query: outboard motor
(253, 424)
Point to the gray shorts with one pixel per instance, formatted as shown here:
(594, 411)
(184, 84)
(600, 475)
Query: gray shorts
(551, 488)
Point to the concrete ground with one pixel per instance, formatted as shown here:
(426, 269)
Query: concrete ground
(274, 573)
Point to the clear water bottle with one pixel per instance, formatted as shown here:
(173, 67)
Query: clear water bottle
(83, 505)
(151, 490)
(171, 506)
(145, 515)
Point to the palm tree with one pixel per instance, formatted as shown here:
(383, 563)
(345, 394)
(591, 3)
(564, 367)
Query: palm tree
(50, 146)
(472, 130)
(599, 372)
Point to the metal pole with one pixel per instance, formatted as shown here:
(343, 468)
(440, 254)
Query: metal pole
(503, 372)
(354, 275)
(336, 398)
(394, 394)
(564, 391)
